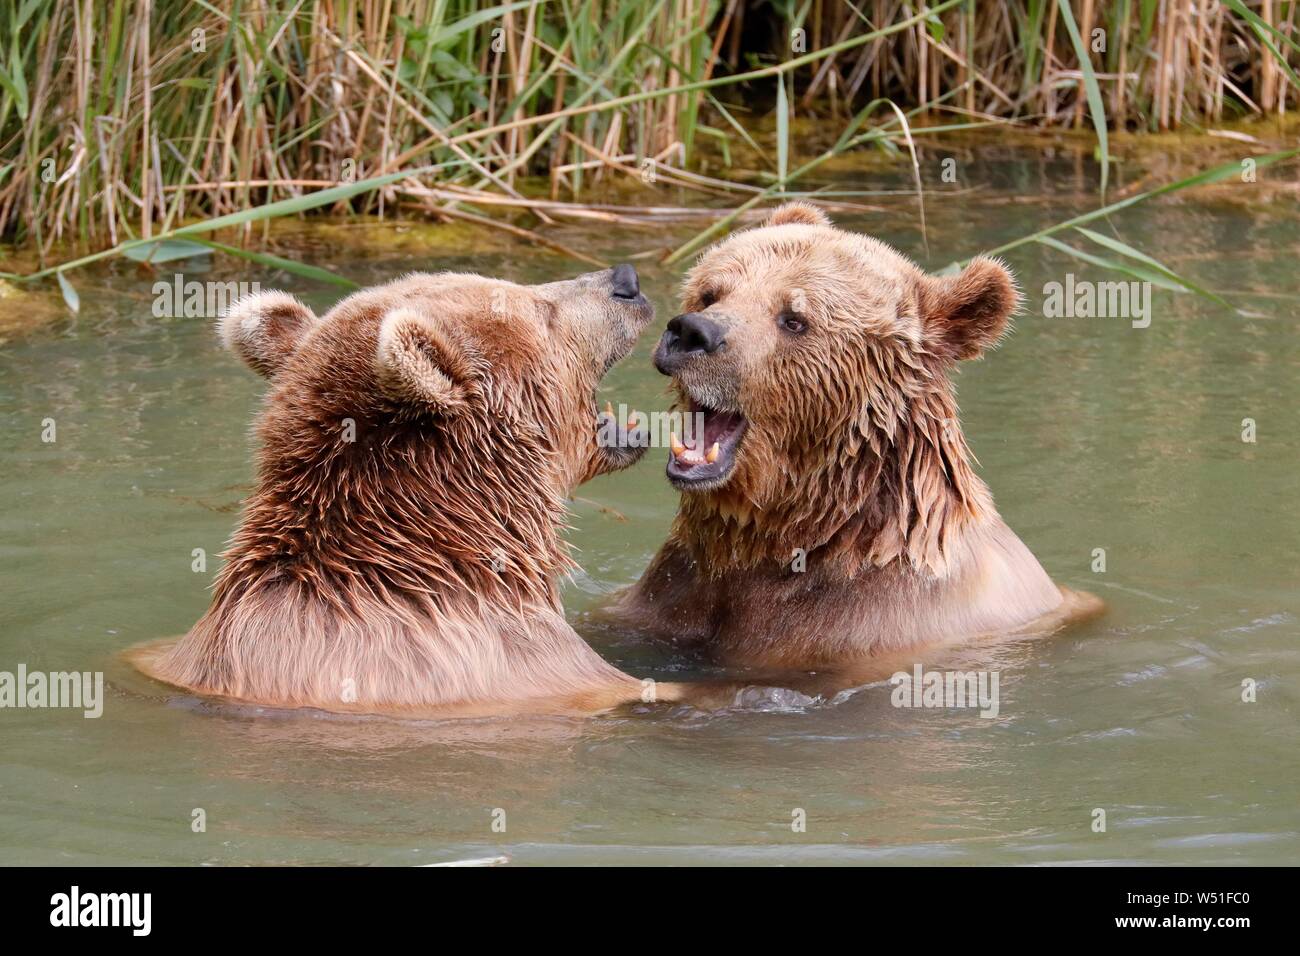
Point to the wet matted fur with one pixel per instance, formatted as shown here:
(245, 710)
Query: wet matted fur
(839, 518)
(401, 552)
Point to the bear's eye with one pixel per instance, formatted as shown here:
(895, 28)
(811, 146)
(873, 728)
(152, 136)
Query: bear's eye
(792, 322)
(707, 298)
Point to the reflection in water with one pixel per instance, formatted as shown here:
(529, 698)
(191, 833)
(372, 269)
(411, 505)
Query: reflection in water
(1092, 435)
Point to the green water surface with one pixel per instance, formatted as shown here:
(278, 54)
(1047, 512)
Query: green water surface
(1091, 433)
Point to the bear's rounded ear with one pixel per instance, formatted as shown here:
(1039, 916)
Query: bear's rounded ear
(417, 361)
(967, 313)
(798, 212)
(264, 329)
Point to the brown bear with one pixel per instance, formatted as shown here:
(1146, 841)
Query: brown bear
(401, 552)
(829, 510)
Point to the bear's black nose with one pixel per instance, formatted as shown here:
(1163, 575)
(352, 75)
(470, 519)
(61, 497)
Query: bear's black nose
(695, 332)
(692, 334)
(624, 283)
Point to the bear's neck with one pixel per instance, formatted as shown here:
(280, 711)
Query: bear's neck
(902, 496)
(352, 528)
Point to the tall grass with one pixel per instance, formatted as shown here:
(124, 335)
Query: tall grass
(120, 120)
(121, 117)
(1160, 64)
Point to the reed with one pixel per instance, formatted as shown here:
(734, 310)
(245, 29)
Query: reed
(124, 120)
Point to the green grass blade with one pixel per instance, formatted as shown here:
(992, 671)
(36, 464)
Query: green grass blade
(443, 35)
(782, 132)
(168, 250)
(1259, 25)
(1203, 178)
(1124, 249)
(69, 294)
(1113, 265)
(288, 265)
(283, 207)
(1091, 89)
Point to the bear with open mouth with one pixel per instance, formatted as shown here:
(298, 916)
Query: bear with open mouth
(829, 509)
(401, 553)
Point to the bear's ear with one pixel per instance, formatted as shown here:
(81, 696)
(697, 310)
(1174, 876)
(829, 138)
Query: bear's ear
(264, 329)
(798, 212)
(967, 313)
(418, 361)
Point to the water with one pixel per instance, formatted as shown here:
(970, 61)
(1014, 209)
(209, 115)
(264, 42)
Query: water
(1091, 434)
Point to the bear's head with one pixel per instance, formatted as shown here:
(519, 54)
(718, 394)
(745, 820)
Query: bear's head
(423, 434)
(819, 362)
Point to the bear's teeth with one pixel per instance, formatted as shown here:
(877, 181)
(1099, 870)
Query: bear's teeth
(712, 454)
(679, 450)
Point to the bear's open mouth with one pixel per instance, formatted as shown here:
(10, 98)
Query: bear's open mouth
(708, 460)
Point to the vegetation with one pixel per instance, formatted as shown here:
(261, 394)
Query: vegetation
(124, 122)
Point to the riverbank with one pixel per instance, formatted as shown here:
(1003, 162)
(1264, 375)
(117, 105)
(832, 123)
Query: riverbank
(1008, 175)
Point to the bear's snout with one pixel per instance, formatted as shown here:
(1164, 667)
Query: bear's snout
(688, 335)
